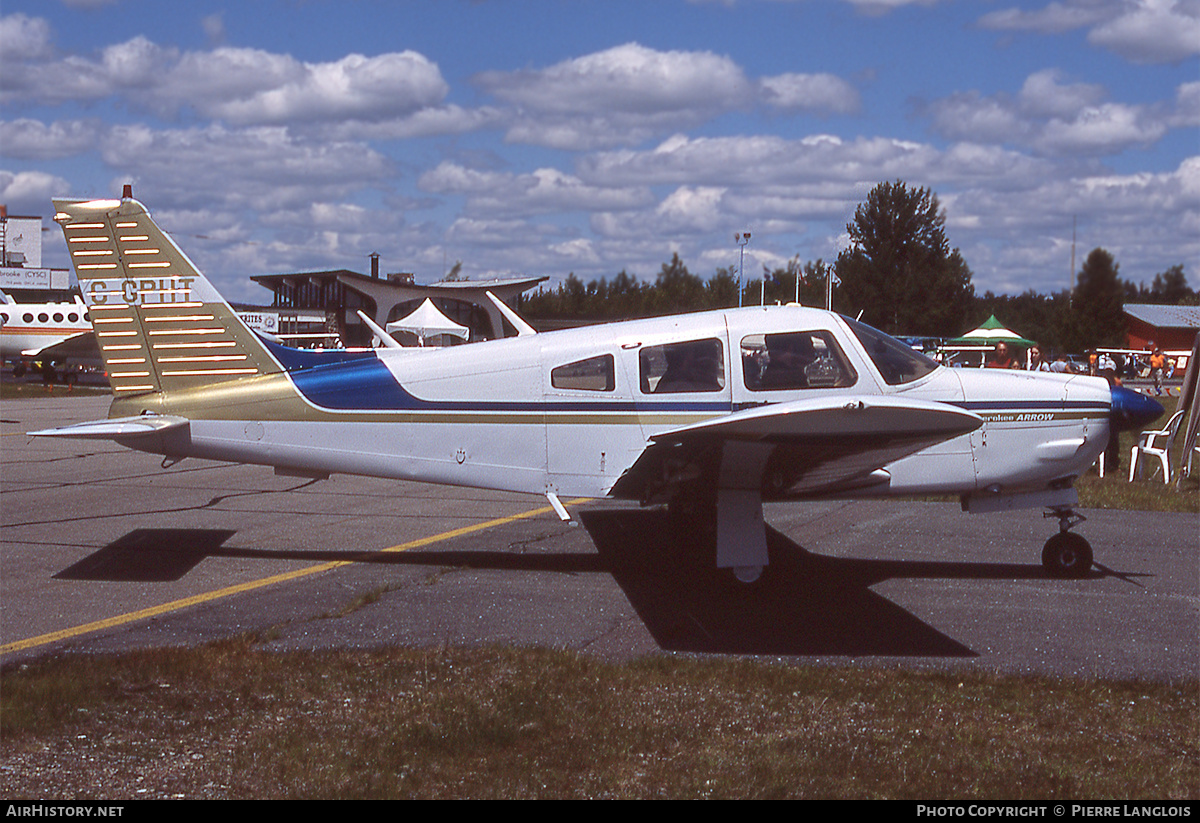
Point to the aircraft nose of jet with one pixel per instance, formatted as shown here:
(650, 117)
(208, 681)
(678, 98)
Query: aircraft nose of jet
(1133, 411)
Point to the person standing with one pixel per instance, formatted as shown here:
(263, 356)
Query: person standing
(1036, 363)
(1158, 365)
(1002, 360)
(1106, 366)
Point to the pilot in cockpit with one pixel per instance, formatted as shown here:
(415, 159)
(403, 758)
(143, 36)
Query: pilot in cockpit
(788, 356)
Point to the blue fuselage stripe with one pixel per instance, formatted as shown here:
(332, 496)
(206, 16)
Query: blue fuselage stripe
(368, 385)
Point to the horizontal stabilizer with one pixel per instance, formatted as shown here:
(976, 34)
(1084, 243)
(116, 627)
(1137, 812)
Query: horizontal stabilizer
(118, 428)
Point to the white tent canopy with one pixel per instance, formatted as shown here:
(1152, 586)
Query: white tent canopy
(428, 321)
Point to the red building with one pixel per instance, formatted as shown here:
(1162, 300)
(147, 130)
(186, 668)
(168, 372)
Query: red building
(1172, 328)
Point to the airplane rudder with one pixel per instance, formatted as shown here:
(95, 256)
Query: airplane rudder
(160, 323)
(120, 253)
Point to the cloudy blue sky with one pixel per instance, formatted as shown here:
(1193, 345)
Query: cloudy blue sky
(545, 137)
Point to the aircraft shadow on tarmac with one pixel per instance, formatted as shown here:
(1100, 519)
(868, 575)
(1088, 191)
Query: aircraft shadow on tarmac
(804, 604)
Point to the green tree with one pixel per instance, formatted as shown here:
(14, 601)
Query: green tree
(676, 290)
(1097, 313)
(722, 289)
(1171, 287)
(899, 269)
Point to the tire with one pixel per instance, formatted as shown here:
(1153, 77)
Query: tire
(1067, 555)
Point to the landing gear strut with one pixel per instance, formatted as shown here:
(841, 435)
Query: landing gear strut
(1065, 554)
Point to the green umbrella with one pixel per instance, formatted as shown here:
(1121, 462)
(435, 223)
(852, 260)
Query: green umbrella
(990, 333)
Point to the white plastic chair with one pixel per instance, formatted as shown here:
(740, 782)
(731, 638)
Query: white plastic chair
(1158, 444)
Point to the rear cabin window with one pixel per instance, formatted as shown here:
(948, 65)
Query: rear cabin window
(897, 363)
(593, 374)
(692, 366)
(795, 360)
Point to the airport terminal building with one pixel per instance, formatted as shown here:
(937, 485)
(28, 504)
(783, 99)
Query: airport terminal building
(320, 308)
(22, 274)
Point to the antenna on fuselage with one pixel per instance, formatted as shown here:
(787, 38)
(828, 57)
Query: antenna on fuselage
(385, 338)
(511, 316)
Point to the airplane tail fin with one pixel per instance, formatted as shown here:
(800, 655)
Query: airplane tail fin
(160, 324)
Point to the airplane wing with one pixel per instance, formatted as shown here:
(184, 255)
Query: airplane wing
(801, 448)
(81, 346)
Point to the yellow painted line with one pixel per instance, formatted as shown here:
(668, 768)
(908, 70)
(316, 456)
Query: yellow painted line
(207, 597)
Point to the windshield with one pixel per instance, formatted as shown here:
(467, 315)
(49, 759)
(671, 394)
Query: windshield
(897, 363)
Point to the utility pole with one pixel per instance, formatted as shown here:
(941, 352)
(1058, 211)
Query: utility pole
(1071, 295)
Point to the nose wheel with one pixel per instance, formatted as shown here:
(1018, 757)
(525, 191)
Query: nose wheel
(1066, 555)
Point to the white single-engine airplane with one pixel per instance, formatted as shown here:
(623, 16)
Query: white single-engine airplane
(712, 413)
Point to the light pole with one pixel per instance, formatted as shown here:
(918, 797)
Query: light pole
(741, 238)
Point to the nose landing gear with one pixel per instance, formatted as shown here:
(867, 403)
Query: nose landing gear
(1065, 554)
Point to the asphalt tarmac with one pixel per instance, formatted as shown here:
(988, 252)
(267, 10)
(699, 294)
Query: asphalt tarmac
(103, 549)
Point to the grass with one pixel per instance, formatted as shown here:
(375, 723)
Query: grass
(229, 720)
(1114, 491)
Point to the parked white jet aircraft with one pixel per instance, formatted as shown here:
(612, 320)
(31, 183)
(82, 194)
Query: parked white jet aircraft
(51, 332)
(712, 412)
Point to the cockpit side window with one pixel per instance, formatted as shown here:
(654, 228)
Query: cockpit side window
(592, 374)
(693, 366)
(795, 360)
(897, 363)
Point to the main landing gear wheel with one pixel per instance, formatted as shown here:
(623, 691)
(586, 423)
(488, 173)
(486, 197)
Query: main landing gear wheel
(1067, 555)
